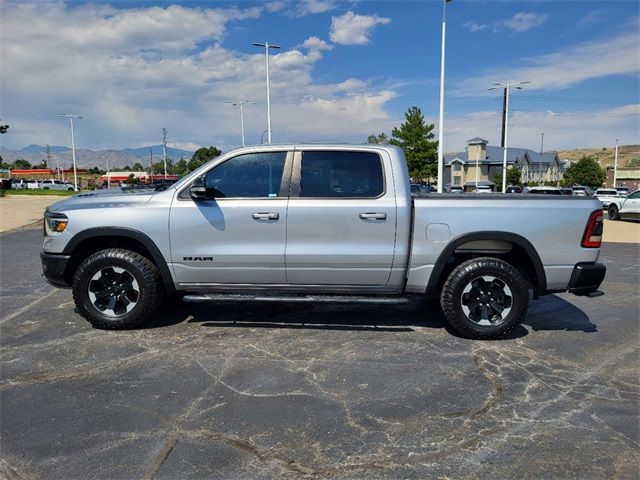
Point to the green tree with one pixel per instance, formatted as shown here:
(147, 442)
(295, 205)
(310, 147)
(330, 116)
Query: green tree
(585, 171)
(513, 178)
(181, 167)
(634, 162)
(378, 139)
(96, 171)
(22, 164)
(132, 180)
(415, 137)
(137, 167)
(126, 168)
(202, 156)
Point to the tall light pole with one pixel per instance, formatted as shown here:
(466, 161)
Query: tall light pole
(615, 167)
(267, 46)
(242, 103)
(441, 121)
(507, 87)
(164, 150)
(71, 116)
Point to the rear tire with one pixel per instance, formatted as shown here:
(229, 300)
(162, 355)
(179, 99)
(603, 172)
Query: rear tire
(485, 298)
(614, 214)
(117, 289)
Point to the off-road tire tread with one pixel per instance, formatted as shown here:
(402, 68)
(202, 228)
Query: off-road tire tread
(151, 294)
(461, 275)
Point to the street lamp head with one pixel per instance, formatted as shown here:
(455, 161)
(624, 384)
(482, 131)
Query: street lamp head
(266, 44)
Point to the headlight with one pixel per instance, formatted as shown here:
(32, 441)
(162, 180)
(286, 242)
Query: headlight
(55, 222)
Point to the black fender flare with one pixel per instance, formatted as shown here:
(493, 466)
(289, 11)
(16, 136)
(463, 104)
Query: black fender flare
(541, 278)
(128, 233)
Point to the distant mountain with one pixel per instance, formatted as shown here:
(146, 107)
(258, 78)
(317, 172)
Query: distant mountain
(157, 151)
(40, 149)
(85, 158)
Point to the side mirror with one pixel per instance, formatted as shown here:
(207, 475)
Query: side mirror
(198, 190)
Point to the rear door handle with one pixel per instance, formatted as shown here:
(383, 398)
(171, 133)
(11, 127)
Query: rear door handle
(373, 216)
(266, 216)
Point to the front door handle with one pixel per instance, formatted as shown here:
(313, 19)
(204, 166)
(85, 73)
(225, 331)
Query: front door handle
(266, 216)
(373, 216)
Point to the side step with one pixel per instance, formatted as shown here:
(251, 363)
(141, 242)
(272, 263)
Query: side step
(232, 297)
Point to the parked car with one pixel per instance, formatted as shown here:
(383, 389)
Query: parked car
(483, 189)
(543, 190)
(18, 184)
(582, 191)
(625, 208)
(53, 184)
(242, 228)
(567, 191)
(455, 189)
(605, 195)
(623, 191)
(514, 189)
(32, 184)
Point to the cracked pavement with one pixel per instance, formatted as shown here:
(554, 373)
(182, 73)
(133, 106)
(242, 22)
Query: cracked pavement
(317, 391)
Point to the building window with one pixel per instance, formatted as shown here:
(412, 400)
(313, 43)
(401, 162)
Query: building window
(457, 180)
(457, 167)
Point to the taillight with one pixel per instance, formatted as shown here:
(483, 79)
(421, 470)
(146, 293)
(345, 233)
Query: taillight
(592, 237)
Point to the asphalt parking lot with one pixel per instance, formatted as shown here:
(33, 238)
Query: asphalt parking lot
(257, 391)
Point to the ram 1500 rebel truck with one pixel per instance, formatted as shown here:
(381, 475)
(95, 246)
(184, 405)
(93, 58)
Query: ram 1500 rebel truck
(334, 223)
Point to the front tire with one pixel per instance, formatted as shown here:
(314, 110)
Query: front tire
(614, 214)
(117, 289)
(485, 298)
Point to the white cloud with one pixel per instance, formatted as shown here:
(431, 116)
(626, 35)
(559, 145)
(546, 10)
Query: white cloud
(520, 22)
(561, 69)
(353, 29)
(131, 72)
(315, 46)
(523, 21)
(300, 8)
(562, 130)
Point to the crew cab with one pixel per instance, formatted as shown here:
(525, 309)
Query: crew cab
(309, 223)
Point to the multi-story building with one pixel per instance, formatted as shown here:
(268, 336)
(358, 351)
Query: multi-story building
(480, 161)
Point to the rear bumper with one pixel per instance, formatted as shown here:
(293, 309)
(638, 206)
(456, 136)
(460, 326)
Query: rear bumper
(586, 278)
(54, 267)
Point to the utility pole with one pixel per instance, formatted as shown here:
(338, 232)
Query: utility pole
(441, 113)
(267, 46)
(71, 116)
(542, 143)
(507, 87)
(108, 175)
(615, 167)
(164, 150)
(49, 157)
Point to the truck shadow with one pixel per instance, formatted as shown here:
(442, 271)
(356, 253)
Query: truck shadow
(549, 313)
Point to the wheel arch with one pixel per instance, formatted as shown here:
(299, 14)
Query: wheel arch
(92, 240)
(521, 254)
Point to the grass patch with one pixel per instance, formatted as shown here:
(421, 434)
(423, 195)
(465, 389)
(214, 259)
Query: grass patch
(24, 191)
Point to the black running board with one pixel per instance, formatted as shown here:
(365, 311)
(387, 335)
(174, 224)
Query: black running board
(232, 297)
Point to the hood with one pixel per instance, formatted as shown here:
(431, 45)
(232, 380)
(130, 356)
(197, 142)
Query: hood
(108, 198)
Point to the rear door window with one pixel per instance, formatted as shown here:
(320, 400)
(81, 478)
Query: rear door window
(336, 174)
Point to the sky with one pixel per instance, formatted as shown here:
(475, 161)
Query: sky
(345, 70)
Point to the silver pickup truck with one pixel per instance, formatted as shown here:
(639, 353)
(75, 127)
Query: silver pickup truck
(335, 223)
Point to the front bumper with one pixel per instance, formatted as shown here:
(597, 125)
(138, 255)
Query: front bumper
(54, 267)
(586, 278)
